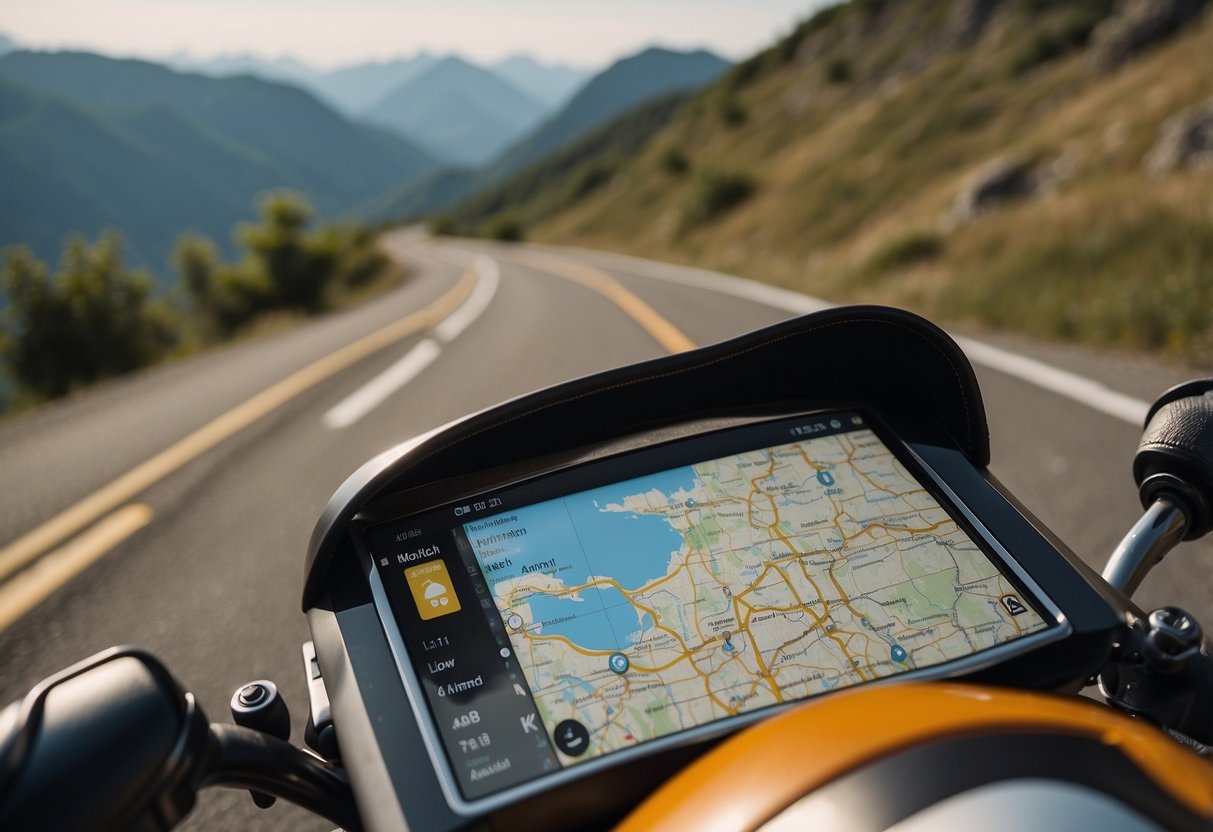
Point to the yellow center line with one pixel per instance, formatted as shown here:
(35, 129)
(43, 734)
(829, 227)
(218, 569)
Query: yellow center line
(53, 570)
(30, 546)
(670, 337)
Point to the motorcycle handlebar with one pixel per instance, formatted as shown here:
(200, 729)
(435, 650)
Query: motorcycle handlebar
(244, 758)
(133, 748)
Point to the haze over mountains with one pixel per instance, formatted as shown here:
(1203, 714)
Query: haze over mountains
(458, 111)
(353, 88)
(651, 74)
(90, 142)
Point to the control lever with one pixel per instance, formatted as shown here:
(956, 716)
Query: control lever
(259, 706)
(1173, 469)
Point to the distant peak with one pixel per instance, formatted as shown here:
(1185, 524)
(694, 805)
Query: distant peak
(665, 53)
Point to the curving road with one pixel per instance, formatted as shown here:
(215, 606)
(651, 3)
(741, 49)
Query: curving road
(172, 508)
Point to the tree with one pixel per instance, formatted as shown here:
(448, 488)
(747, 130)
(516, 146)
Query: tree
(92, 320)
(296, 266)
(222, 297)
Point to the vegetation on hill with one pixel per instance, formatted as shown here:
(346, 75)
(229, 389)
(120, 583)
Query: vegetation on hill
(96, 317)
(623, 86)
(1042, 166)
(557, 182)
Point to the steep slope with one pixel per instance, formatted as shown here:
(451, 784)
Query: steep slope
(1014, 164)
(465, 113)
(568, 175)
(65, 169)
(647, 75)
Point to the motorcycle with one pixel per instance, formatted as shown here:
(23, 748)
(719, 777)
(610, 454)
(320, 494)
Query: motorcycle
(765, 584)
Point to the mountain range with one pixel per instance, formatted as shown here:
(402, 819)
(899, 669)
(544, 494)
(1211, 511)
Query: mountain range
(88, 142)
(626, 84)
(354, 88)
(458, 111)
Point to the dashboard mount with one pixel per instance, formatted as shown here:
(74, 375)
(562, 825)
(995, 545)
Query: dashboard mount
(542, 609)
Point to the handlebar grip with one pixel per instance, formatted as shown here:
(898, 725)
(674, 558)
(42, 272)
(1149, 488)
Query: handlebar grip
(1175, 456)
(115, 732)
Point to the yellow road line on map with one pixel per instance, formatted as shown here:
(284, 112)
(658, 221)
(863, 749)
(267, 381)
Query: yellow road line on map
(29, 547)
(670, 337)
(35, 584)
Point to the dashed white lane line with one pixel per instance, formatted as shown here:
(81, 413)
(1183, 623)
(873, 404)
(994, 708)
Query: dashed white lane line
(379, 389)
(424, 353)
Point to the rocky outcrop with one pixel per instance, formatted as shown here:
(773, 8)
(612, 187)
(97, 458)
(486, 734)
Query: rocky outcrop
(1004, 180)
(1184, 142)
(1137, 25)
(997, 181)
(967, 20)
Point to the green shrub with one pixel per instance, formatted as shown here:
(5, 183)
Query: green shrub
(673, 160)
(714, 194)
(93, 320)
(1069, 30)
(504, 227)
(732, 114)
(590, 178)
(745, 73)
(838, 70)
(904, 251)
(444, 225)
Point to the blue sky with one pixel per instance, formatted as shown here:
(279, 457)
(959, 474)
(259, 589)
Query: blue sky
(584, 32)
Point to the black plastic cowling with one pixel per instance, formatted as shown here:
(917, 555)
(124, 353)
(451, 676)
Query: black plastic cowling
(900, 364)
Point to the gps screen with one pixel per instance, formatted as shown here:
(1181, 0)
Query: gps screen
(665, 602)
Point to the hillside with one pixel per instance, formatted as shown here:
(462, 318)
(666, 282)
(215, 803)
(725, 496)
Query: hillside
(90, 142)
(458, 111)
(643, 77)
(625, 84)
(570, 174)
(51, 186)
(1019, 164)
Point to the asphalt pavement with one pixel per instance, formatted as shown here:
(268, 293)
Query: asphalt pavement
(211, 581)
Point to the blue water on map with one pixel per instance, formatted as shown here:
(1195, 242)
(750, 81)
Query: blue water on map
(602, 620)
(573, 539)
(631, 548)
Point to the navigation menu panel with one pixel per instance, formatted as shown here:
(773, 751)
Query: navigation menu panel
(486, 717)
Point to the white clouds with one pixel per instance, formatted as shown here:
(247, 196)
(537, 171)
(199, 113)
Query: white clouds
(588, 32)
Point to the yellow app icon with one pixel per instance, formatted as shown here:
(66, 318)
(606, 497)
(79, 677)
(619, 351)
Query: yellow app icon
(432, 590)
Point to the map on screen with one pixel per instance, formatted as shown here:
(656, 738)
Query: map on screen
(672, 600)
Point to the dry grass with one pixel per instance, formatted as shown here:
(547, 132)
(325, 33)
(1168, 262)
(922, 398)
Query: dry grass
(857, 175)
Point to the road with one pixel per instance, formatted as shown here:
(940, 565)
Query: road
(206, 569)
